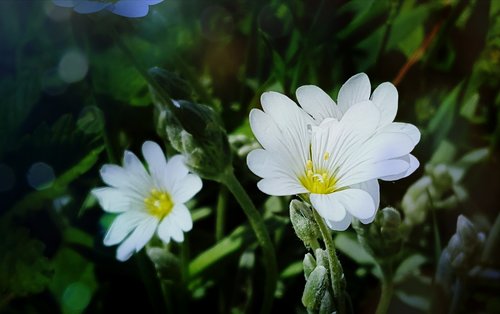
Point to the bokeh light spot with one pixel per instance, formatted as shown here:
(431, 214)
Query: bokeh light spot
(73, 66)
(40, 176)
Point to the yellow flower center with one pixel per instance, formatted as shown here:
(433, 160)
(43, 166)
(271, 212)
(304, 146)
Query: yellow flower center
(318, 181)
(159, 203)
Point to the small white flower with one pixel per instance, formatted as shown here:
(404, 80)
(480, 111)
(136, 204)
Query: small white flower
(333, 153)
(127, 8)
(147, 201)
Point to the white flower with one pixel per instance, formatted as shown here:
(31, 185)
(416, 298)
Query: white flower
(333, 153)
(127, 8)
(147, 201)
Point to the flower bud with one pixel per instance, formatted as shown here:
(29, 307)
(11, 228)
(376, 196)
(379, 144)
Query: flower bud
(167, 264)
(315, 288)
(463, 248)
(196, 131)
(322, 258)
(327, 306)
(303, 222)
(309, 264)
(383, 238)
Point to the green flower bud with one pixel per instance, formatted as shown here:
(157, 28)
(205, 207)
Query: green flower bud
(167, 264)
(327, 306)
(383, 238)
(315, 288)
(196, 131)
(309, 264)
(303, 222)
(322, 258)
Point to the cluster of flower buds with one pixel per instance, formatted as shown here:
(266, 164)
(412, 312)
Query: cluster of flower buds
(461, 253)
(383, 238)
(317, 296)
(196, 131)
(440, 187)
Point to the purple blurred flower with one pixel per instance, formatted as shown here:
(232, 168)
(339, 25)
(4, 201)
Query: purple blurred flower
(127, 8)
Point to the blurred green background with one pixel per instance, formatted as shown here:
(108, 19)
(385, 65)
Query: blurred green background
(71, 100)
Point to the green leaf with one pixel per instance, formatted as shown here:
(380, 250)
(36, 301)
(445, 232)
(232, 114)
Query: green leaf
(442, 122)
(409, 266)
(292, 270)
(348, 244)
(74, 281)
(24, 270)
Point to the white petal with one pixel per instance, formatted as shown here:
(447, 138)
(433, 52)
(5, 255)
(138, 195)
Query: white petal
(130, 8)
(290, 145)
(267, 165)
(414, 164)
(123, 225)
(182, 217)
(168, 229)
(283, 110)
(406, 128)
(281, 186)
(371, 187)
(138, 239)
(373, 171)
(356, 89)
(317, 103)
(132, 164)
(114, 175)
(368, 161)
(155, 158)
(114, 200)
(385, 97)
(357, 202)
(362, 117)
(176, 166)
(184, 189)
(328, 206)
(340, 225)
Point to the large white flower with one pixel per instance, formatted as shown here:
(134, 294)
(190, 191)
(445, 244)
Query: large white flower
(147, 201)
(127, 8)
(333, 153)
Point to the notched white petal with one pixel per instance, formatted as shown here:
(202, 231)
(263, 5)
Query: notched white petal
(385, 97)
(317, 103)
(356, 89)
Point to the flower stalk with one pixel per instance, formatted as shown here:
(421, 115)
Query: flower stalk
(336, 272)
(258, 226)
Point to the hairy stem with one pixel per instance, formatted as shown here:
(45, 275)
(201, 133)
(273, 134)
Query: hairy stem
(336, 272)
(257, 224)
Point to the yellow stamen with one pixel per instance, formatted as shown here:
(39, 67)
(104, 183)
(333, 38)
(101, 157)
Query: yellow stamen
(317, 181)
(326, 156)
(159, 203)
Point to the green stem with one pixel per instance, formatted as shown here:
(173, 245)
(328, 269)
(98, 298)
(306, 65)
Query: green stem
(386, 296)
(259, 228)
(336, 272)
(220, 218)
